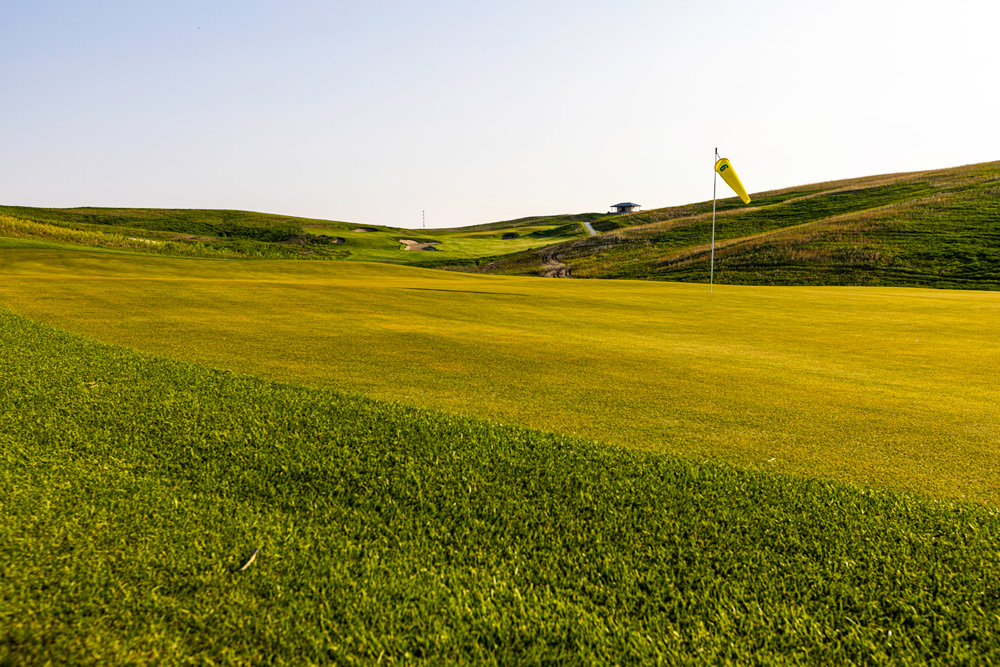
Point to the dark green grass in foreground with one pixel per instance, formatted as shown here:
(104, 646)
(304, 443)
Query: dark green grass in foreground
(132, 490)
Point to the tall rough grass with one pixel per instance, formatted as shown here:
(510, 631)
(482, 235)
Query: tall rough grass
(240, 249)
(930, 229)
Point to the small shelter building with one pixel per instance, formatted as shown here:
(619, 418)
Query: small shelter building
(625, 207)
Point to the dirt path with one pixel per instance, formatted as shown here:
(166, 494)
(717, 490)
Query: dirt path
(552, 267)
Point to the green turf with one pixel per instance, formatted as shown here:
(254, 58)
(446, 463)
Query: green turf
(453, 247)
(134, 489)
(888, 387)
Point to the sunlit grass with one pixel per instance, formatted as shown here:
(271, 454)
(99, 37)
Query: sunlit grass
(890, 387)
(458, 245)
(134, 492)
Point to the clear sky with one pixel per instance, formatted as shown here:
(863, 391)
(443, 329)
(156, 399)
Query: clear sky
(375, 110)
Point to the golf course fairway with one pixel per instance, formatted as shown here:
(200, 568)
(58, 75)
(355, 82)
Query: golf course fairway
(894, 388)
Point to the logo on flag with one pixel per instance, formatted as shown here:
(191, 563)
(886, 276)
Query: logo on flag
(728, 174)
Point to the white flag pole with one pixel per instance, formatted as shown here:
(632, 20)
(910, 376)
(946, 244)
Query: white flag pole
(711, 270)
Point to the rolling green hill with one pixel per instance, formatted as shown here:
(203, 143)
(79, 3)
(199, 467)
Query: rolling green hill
(186, 232)
(922, 229)
(927, 229)
(248, 235)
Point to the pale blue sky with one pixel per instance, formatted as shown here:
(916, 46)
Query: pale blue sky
(475, 112)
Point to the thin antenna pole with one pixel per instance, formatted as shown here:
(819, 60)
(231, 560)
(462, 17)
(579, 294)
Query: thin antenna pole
(423, 218)
(711, 270)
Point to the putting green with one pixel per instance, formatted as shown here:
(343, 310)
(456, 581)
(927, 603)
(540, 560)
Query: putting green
(888, 387)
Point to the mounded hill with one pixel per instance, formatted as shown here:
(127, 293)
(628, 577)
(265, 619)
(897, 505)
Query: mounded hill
(920, 229)
(927, 229)
(183, 232)
(250, 235)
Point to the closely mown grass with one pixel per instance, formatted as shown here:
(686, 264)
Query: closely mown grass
(888, 387)
(134, 489)
(456, 247)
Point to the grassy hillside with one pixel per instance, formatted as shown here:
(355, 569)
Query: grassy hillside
(193, 232)
(156, 512)
(926, 229)
(921, 229)
(452, 248)
(244, 234)
(888, 387)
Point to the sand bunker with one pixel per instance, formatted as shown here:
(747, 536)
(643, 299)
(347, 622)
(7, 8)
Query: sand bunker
(417, 245)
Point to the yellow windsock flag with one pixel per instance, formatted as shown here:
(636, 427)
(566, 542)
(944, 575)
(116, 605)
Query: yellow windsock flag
(728, 174)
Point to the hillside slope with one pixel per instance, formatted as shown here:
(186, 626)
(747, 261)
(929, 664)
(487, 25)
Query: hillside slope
(250, 235)
(921, 229)
(928, 229)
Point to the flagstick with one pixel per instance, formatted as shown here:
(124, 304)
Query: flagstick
(711, 270)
